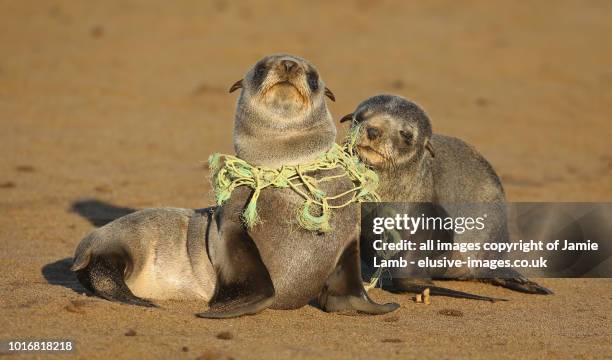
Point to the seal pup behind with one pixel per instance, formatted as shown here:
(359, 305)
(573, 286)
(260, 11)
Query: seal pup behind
(282, 119)
(149, 254)
(415, 165)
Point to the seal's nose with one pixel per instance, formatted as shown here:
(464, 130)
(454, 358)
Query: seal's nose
(373, 133)
(289, 65)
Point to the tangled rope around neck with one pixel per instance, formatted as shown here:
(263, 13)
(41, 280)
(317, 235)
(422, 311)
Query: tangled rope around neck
(230, 172)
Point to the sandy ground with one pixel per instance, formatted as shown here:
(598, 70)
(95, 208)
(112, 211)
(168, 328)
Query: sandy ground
(107, 107)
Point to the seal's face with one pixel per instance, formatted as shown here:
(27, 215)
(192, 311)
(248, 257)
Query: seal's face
(284, 85)
(281, 115)
(392, 131)
(383, 142)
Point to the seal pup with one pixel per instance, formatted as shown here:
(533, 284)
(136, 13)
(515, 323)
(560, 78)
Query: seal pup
(415, 165)
(282, 119)
(149, 254)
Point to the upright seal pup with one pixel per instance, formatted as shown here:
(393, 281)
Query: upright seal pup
(282, 119)
(415, 165)
(149, 254)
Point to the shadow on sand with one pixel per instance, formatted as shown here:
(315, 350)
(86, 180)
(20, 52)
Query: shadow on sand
(97, 212)
(58, 273)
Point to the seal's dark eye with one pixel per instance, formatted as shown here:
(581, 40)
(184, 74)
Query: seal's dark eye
(259, 74)
(407, 136)
(313, 80)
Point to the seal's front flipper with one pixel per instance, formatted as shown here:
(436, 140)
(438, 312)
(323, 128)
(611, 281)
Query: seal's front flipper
(344, 290)
(244, 286)
(415, 286)
(519, 284)
(103, 275)
(245, 306)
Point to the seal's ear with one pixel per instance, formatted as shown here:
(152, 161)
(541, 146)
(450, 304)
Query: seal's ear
(347, 117)
(330, 94)
(429, 148)
(237, 85)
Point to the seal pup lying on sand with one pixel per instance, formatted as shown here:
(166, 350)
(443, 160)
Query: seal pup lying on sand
(282, 119)
(415, 165)
(149, 254)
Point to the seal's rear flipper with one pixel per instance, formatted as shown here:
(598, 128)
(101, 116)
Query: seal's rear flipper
(103, 275)
(519, 284)
(81, 261)
(413, 286)
(244, 286)
(344, 290)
